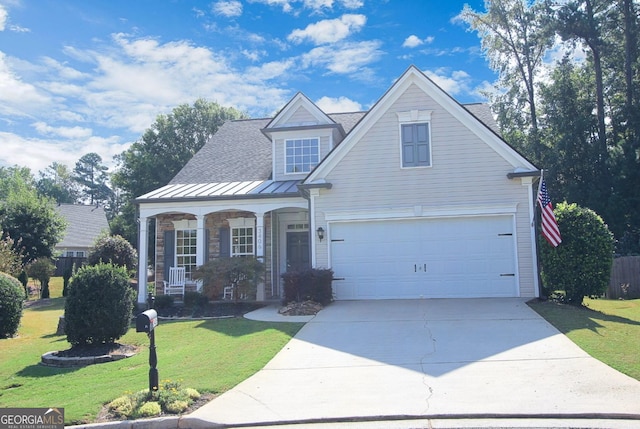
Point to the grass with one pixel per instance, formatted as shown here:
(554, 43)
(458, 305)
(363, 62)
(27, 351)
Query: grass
(606, 329)
(209, 356)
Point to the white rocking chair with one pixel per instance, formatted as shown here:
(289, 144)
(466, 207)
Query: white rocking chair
(176, 283)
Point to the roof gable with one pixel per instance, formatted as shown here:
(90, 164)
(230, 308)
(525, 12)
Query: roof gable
(471, 117)
(299, 112)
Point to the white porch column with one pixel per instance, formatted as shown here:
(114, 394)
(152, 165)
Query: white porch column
(143, 240)
(260, 296)
(313, 193)
(200, 241)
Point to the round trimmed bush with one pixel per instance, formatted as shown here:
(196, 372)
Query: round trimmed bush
(99, 305)
(11, 296)
(581, 264)
(113, 249)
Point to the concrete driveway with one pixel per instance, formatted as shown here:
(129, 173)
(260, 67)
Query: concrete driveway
(366, 360)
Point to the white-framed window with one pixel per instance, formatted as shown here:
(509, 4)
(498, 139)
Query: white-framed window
(186, 250)
(301, 155)
(415, 138)
(80, 254)
(242, 236)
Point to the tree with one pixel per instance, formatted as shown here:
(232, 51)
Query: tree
(161, 152)
(15, 180)
(10, 258)
(567, 130)
(515, 36)
(581, 264)
(91, 174)
(57, 183)
(113, 249)
(32, 221)
(42, 269)
(242, 274)
(584, 21)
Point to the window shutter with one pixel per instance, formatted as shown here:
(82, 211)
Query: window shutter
(225, 242)
(415, 145)
(408, 151)
(206, 245)
(169, 251)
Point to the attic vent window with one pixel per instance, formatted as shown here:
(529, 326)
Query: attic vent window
(301, 155)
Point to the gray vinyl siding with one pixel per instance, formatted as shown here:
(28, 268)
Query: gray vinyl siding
(464, 172)
(300, 117)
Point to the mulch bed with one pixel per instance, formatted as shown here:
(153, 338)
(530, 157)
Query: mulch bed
(89, 350)
(216, 309)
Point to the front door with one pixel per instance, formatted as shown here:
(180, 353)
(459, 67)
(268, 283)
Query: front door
(297, 250)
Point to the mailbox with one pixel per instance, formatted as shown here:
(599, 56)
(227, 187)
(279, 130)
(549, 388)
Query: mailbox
(146, 321)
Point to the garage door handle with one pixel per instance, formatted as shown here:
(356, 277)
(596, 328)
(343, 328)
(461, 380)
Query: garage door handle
(507, 275)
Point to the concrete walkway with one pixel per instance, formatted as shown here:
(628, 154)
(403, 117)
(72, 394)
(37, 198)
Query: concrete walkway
(426, 359)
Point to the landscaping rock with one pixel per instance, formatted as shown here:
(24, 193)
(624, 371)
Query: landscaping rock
(305, 308)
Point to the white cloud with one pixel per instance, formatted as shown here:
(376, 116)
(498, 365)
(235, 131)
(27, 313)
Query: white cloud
(229, 9)
(338, 105)
(329, 30)
(142, 77)
(453, 82)
(37, 153)
(352, 4)
(253, 55)
(66, 132)
(414, 41)
(18, 97)
(3, 18)
(314, 5)
(271, 70)
(347, 58)
(285, 4)
(318, 4)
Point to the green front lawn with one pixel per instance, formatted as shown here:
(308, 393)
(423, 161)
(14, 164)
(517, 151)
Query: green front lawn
(210, 356)
(609, 330)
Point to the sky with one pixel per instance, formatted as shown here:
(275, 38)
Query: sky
(81, 76)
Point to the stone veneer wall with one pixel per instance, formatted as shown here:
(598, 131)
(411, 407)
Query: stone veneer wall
(213, 222)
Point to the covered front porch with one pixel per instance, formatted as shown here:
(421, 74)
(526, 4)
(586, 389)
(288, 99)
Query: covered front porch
(189, 232)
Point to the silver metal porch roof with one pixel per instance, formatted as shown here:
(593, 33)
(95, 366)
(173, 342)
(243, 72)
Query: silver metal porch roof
(223, 190)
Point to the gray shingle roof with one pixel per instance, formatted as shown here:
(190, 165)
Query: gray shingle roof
(483, 112)
(84, 225)
(237, 152)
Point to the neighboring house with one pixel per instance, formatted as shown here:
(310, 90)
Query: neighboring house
(417, 198)
(84, 225)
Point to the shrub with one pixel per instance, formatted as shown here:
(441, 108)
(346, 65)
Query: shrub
(243, 274)
(312, 284)
(581, 264)
(195, 299)
(149, 409)
(113, 249)
(42, 269)
(169, 397)
(10, 259)
(11, 296)
(163, 301)
(99, 305)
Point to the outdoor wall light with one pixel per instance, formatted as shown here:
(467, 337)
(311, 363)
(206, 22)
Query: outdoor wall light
(320, 232)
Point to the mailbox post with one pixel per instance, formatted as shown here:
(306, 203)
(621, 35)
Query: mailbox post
(146, 322)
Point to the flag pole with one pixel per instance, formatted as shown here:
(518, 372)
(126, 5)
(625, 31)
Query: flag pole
(536, 222)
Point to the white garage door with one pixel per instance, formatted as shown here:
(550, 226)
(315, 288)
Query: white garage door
(439, 258)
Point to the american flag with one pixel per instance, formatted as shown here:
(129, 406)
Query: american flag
(550, 229)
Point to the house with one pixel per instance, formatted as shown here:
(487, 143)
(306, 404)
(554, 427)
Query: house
(84, 225)
(419, 197)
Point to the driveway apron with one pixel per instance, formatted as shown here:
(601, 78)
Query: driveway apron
(425, 358)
